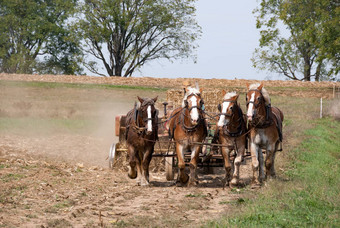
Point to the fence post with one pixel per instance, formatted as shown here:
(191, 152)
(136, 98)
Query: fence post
(320, 107)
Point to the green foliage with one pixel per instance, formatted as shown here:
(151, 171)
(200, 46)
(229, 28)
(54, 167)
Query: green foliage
(312, 47)
(134, 32)
(313, 196)
(35, 38)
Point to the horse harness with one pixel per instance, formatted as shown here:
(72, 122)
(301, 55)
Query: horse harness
(136, 114)
(269, 120)
(241, 128)
(187, 129)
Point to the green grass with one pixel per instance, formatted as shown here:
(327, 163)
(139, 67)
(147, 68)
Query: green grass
(12, 177)
(311, 197)
(75, 85)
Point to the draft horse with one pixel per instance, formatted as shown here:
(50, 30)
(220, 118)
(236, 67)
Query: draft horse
(141, 136)
(265, 131)
(188, 128)
(231, 132)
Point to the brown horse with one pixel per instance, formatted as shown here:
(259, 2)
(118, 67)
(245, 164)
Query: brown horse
(265, 131)
(231, 133)
(188, 128)
(141, 135)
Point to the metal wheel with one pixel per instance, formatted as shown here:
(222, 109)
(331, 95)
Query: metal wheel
(169, 165)
(112, 155)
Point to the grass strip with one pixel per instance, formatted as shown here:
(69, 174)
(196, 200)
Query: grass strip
(75, 85)
(311, 197)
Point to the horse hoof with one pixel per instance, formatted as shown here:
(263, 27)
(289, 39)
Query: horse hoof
(255, 185)
(184, 178)
(179, 184)
(233, 183)
(132, 174)
(192, 183)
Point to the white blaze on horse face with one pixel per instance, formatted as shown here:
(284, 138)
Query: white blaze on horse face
(222, 119)
(251, 106)
(194, 111)
(149, 119)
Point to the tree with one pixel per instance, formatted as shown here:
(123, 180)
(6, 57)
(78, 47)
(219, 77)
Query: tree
(311, 48)
(34, 37)
(125, 34)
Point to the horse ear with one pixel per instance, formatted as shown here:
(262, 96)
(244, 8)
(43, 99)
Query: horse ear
(236, 97)
(155, 99)
(247, 84)
(224, 92)
(260, 87)
(201, 90)
(140, 99)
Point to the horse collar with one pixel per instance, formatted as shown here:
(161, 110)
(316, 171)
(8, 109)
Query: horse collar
(187, 128)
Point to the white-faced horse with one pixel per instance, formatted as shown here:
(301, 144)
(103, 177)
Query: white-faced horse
(231, 133)
(265, 131)
(188, 128)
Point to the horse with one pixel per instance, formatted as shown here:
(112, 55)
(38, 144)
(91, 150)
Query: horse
(141, 136)
(187, 127)
(265, 131)
(231, 132)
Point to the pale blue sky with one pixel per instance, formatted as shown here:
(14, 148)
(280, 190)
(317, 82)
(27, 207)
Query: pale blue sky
(228, 41)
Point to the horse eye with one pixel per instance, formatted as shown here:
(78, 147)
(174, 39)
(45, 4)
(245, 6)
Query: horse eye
(258, 98)
(231, 107)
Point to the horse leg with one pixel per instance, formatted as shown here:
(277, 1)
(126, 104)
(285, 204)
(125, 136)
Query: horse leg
(193, 166)
(254, 150)
(182, 176)
(139, 159)
(270, 158)
(132, 162)
(237, 162)
(227, 165)
(146, 162)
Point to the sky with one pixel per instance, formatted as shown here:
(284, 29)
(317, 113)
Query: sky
(229, 38)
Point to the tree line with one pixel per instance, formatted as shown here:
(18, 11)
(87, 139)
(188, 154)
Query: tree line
(64, 36)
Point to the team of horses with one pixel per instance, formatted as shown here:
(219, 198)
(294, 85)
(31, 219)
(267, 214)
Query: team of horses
(261, 125)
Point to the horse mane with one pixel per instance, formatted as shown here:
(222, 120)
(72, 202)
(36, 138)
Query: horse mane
(264, 92)
(229, 95)
(189, 91)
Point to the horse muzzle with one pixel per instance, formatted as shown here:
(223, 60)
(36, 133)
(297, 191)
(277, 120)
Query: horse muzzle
(194, 122)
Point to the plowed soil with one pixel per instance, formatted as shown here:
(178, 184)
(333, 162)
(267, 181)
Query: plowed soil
(54, 143)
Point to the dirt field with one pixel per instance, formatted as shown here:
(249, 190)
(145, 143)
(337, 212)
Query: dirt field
(53, 169)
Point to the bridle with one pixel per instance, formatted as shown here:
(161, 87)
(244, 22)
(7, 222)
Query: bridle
(239, 128)
(138, 113)
(200, 108)
(260, 102)
(194, 106)
(253, 102)
(226, 114)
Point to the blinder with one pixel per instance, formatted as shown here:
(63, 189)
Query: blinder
(253, 102)
(201, 104)
(219, 106)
